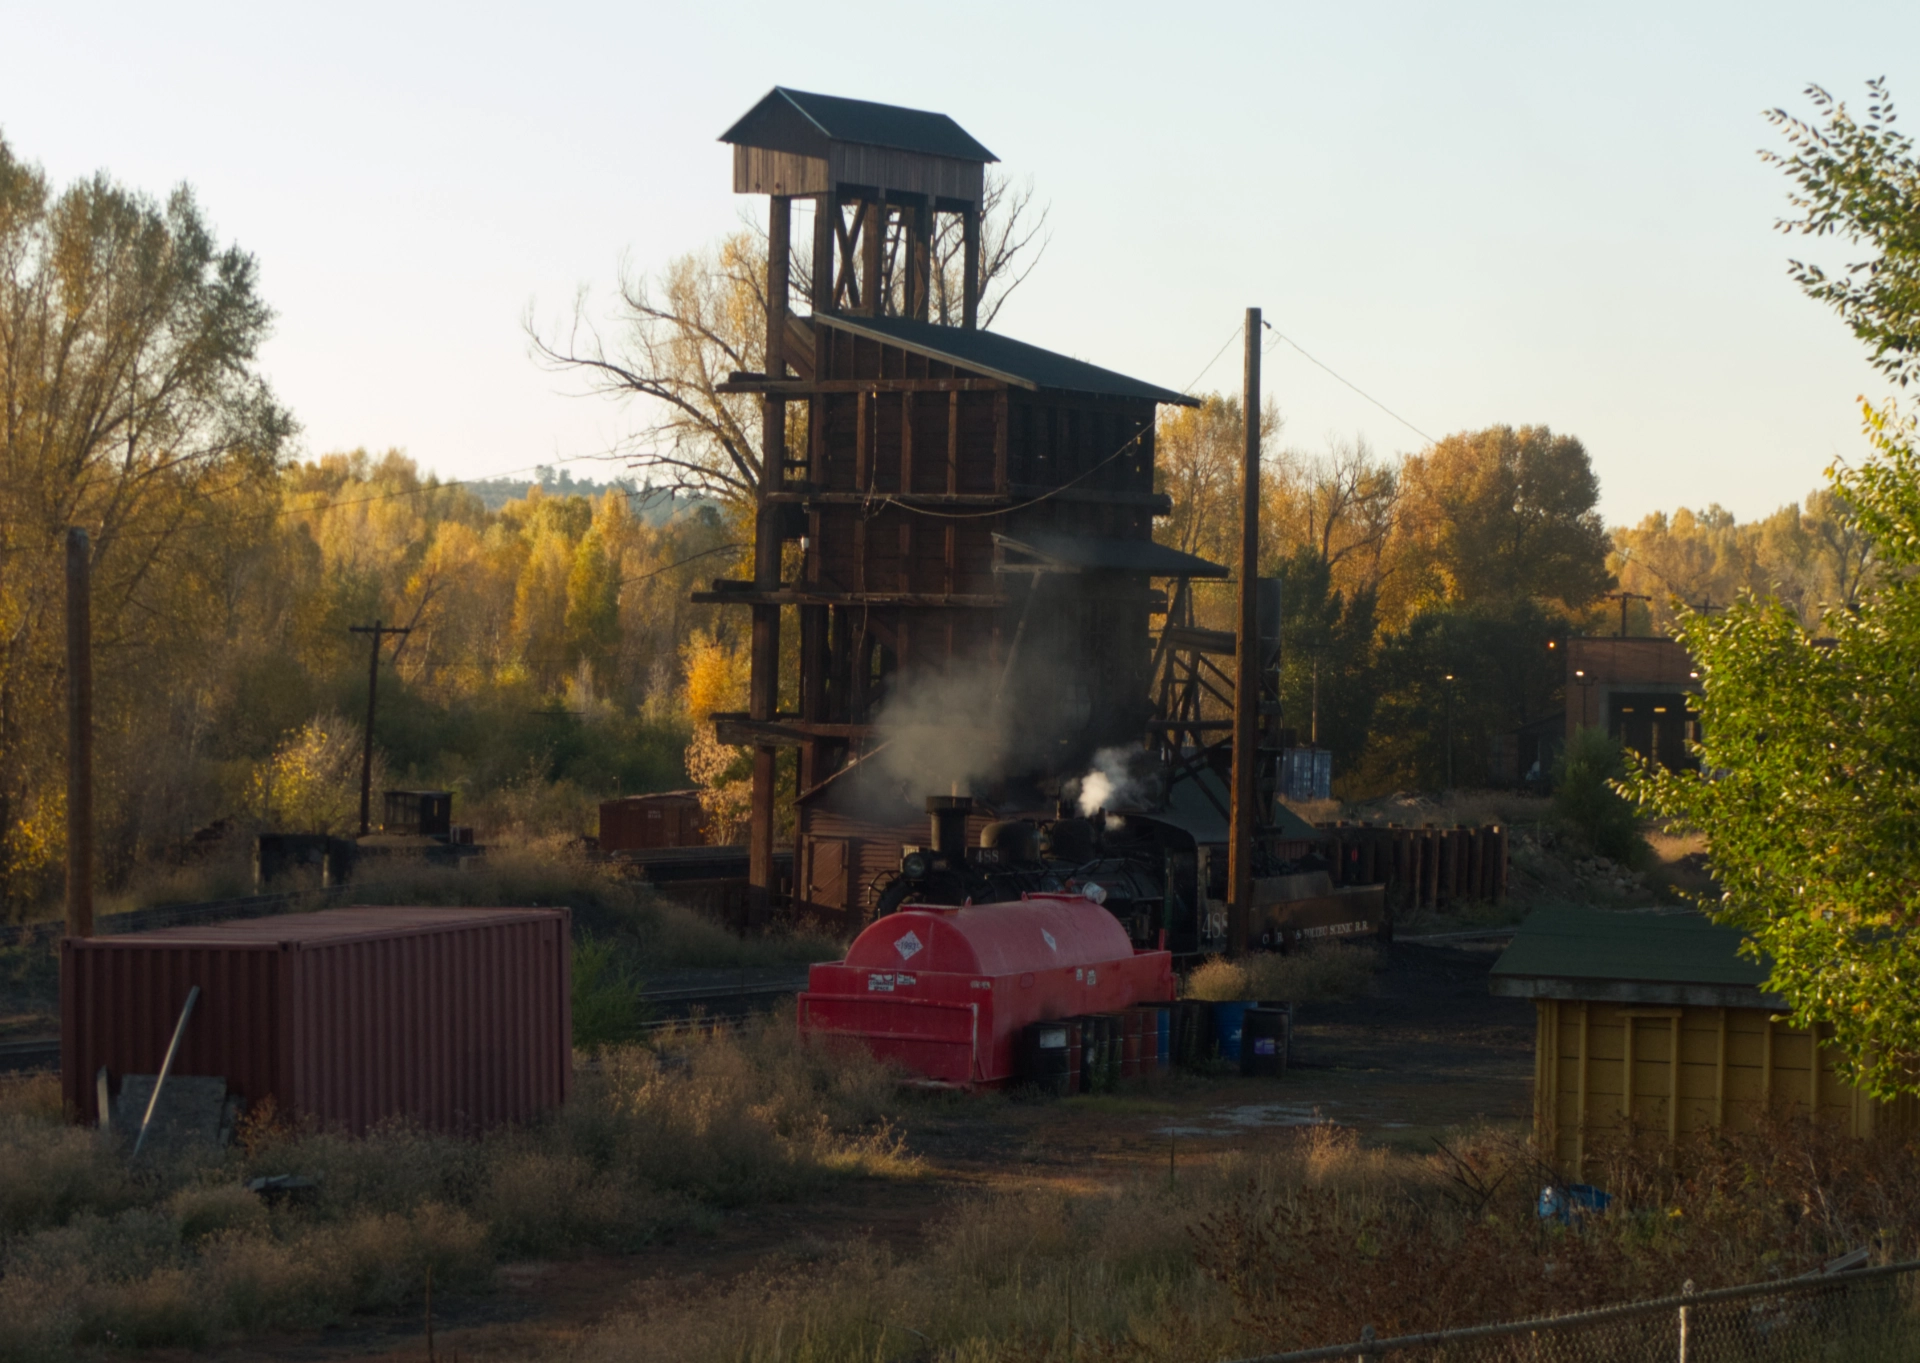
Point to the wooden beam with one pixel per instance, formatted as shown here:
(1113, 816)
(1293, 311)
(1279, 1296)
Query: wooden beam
(920, 263)
(953, 442)
(970, 264)
(1673, 1087)
(779, 279)
(873, 213)
(811, 596)
(906, 440)
(980, 499)
(805, 388)
(862, 440)
(1580, 1095)
(1000, 408)
(826, 212)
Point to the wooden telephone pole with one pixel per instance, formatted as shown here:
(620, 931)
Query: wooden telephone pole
(1247, 664)
(79, 733)
(1623, 598)
(376, 629)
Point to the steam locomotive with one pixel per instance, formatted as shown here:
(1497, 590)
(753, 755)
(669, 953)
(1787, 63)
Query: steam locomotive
(1162, 874)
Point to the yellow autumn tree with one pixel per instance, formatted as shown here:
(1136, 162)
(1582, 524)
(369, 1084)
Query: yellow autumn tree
(717, 681)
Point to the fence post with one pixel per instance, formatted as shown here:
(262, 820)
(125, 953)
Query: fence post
(1686, 1290)
(1367, 1351)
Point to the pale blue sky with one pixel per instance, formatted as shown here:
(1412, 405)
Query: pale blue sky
(1476, 212)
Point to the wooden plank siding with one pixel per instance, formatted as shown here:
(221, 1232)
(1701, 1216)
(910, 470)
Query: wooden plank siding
(1608, 1073)
(879, 430)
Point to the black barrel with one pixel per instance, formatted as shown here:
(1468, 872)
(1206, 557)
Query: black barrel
(1286, 1008)
(1116, 1046)
(1263, 1042)
(1194, 1029)
(1090, 1054)
(1045, 1062)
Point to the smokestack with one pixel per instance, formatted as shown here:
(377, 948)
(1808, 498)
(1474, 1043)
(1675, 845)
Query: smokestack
(947, 820)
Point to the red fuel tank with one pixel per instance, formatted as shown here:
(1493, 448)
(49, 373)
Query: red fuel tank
(946, 991)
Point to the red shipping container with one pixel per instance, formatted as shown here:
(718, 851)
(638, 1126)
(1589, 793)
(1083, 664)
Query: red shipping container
(458, 1019)
(946, 991)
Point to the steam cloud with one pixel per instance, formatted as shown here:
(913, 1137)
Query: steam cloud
(941, 734)
(1111, 784)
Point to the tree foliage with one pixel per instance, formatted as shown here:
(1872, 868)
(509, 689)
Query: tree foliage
(1813, 556)
(1811, 804)
(1501, 515)
(675, 338)
(1810, 799)
(130, 405)
(1587, 799)
(1858, 180)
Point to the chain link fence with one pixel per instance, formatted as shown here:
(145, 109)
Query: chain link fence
(1869, 1315)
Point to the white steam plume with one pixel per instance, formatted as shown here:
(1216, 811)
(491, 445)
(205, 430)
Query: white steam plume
(1110, 785)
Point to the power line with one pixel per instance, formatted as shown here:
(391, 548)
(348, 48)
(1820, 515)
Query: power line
(1280, 336)
(1212, 362)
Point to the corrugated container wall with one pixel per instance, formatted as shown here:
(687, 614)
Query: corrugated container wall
(458, 1019)
(1605, 1073)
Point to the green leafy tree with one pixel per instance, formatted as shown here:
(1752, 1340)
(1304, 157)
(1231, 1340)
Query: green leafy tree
(130, 405)
(1810, 793)
(1587, 799)
(1858, 180)
(1449, 681)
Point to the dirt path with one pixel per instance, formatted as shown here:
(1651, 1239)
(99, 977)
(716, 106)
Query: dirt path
(1429, 1050)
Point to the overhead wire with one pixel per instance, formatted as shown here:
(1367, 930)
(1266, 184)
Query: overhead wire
(1279, 336)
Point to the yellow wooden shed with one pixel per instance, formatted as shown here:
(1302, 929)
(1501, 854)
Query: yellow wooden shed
(1652, 1026)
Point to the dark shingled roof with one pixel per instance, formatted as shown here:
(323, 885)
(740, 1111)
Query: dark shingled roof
(1001, 357)
(1110, 555)
(795, 121)
(1592, 947)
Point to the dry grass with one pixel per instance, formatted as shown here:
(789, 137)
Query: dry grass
(1322, 973)
(656, 931)
(1298, 1244)
(654, 1141)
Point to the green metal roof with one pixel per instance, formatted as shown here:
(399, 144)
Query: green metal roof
(802, 123)
(1001, 357)
(1579, 950)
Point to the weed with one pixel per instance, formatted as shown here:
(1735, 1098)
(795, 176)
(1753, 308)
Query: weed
(1322, 973)
(652, 1142)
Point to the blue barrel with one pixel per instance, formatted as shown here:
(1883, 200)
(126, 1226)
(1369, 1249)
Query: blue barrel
(1163, 1030)
(1228, 1019)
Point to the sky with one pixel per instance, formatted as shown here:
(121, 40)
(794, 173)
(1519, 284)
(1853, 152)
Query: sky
(1475, 213)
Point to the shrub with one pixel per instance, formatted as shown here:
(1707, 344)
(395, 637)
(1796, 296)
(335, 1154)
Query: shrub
(1325, 972)
(1585, 801)
(607, 1006)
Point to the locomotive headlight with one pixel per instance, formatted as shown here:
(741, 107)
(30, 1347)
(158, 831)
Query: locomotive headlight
(914, 866)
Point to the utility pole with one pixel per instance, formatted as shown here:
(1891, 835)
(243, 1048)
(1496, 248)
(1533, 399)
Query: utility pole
(376, 629)
(1247, 660)
(1313, 732)
(1623, 597)
(79, 733)
(1449, 731)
